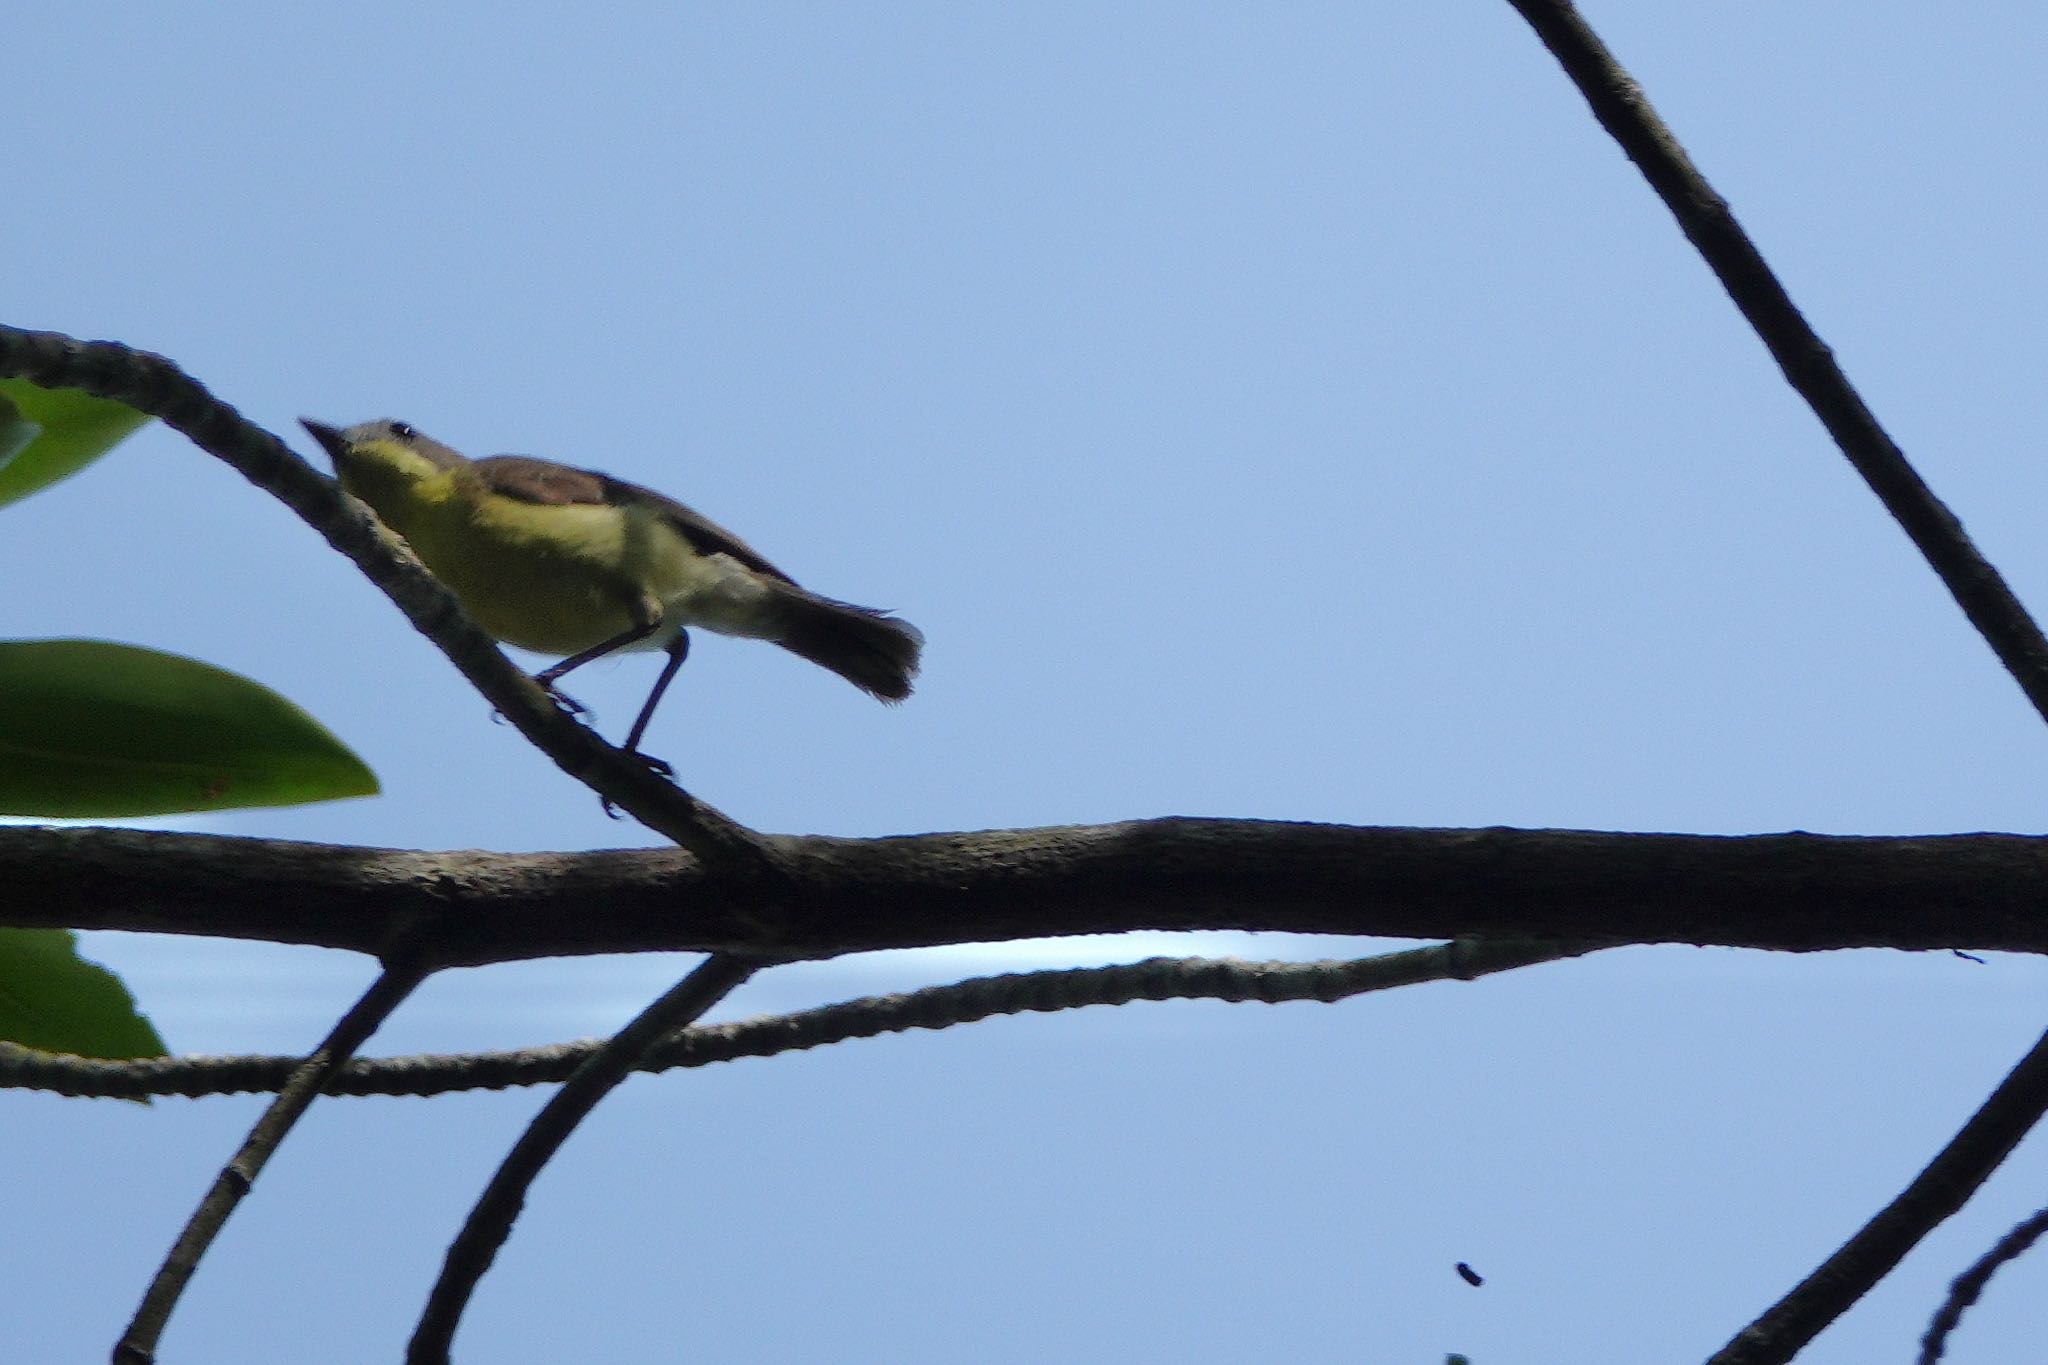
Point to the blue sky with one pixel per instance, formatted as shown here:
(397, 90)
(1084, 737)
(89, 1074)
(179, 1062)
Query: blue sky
(1297, 412)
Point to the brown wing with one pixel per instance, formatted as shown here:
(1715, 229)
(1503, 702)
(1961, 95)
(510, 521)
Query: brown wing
(543, 481)
(526, 479)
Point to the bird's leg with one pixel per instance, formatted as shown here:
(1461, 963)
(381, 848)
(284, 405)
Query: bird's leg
(678, 650)
(548, 676)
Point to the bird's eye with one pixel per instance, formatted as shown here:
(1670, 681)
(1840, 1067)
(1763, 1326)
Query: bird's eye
(403, 431)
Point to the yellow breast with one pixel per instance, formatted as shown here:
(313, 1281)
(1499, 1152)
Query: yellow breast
(553, 579)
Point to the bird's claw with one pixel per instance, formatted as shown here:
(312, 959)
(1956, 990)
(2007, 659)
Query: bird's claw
(565, 701)
(660, 767)
(569, 705)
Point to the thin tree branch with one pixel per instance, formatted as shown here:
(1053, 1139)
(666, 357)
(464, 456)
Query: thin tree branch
(1625, 112)
(1809, 366)
(1937, 1192)
(1796, 892)
(1969, 1285)
(138, 1343)
(933, 1007)
(490, 1221)
(152, 384)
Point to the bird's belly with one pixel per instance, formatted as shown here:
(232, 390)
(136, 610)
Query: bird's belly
(561, 579)
(550, 614)
(544, 579)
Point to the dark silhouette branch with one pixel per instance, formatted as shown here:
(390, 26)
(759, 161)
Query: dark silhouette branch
(933, 1007)
(1943, 1187)
(490, 1221)
(1969, 1285)
(138, 1343)
(815, 897)
(1796, 892)
(1809, 365)
(152, 384)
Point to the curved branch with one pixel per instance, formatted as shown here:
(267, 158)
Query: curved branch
(1793, 892)
(1969, 1286)
(490, 1221)
(933, 1007)
(152, 384)
(138, 1342)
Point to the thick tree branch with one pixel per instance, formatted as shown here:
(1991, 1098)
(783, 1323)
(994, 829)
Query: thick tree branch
(152, 384)
(1794, 892)
(933, 1007)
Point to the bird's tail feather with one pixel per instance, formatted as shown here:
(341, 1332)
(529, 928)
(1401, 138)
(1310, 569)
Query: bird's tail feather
(871, 649)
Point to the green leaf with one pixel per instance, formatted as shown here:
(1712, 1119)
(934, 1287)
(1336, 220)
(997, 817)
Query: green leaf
(71, 430)
(90, 729)
(53, 999)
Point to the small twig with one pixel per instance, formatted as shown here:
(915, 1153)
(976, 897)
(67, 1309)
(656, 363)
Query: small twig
(138, 1343)
(1937, 1192)
(934, 1007)
(490, 1221)
(1809, 366)
(150, 383)
(1969, 1286)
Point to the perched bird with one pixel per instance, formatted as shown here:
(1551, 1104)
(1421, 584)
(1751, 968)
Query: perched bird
(569, 561)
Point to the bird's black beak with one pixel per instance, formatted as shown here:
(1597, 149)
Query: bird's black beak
(330, 438)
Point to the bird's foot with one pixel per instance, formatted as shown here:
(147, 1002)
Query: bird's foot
(568, 704)
(564, 700)
(660, 767)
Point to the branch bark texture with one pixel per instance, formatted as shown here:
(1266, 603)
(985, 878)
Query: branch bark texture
(1792, 892)
(932, 1007)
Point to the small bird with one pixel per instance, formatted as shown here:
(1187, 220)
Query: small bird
(568, 561)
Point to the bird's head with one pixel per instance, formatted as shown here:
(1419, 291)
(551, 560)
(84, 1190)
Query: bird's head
(383, 462)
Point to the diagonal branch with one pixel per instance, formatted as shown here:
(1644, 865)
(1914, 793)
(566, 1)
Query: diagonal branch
(1809, 366)
(138, 1342)
(152, 384)
(1625, 112)
(1937, 1192)
(1968, 1287)
(933, 1007)
(490, 1221)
